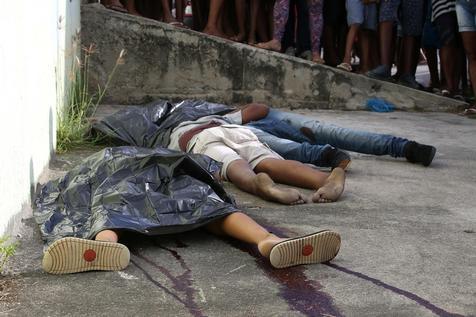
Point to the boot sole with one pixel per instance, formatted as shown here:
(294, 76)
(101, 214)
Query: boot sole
(318, 247)
(72, 255)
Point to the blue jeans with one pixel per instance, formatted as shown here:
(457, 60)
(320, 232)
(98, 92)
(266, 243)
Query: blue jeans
(283, 142)
(320, 134)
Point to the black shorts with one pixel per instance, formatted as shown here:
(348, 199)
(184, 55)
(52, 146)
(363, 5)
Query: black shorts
(447, 28)
(334, 13)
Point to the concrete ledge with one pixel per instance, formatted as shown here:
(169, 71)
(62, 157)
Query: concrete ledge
(167, 62)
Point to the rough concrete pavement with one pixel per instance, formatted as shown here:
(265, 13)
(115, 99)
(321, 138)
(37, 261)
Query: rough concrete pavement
(409, 237)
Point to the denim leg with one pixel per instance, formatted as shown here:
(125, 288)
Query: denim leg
(291, 150)
(342, 138)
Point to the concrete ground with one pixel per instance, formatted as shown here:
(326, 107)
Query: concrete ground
(408, 232)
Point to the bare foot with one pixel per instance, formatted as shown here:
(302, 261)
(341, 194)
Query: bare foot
(240, 37)
(107, 235)
(267, 189)
(265, 246)
(273, 45)
(316, 58)
(251, 40)
(214, 32)
(332, 189)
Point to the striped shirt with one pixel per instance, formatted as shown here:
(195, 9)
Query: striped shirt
(440, 7)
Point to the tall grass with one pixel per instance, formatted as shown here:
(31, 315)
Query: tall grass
(73, 124)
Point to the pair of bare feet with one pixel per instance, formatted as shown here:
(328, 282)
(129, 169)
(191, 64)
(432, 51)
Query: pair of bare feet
(275, 45)
(267, 189)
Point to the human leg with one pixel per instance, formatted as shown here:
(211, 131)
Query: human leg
(303, 151)
(328, 187)
(239, 150)
(240, 8)
(355, 140)
(315, 26)
(72, 255)
(316, 248)
(342, 138)
(131, 7)
(213, 17)
(280, 14)
(387, 17)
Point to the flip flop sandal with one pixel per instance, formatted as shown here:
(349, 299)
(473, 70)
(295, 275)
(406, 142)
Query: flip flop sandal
(178, 24)
(345, 66)
(116, 8)
(72, 255)
(317, 247)
(470, 113)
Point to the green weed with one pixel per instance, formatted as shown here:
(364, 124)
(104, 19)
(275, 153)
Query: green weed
(6, 251)
(73, 124)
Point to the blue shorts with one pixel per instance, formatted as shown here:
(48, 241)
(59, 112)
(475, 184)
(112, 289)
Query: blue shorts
(412, 15)
(466, 12)
(389, 10)
(359, 13)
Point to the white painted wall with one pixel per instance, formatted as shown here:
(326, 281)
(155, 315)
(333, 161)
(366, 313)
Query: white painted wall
(35, 51)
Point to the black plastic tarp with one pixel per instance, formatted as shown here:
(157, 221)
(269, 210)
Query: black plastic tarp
(151, 125)
(151, 191)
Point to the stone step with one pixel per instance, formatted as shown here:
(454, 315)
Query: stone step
(166, 62)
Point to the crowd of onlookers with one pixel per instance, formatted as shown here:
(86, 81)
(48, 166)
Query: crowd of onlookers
(364, 36)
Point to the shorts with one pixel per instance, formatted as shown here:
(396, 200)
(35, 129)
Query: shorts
(388, 10)
(447, 28)
(228, 143)
(466, 12)
(359, 13)
(413, 17)
(334, 12)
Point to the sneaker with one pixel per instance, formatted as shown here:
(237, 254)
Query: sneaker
(318, 247)
(382, 72)
(409, 81)
(72, 255)
(334, 157)
(419, 153)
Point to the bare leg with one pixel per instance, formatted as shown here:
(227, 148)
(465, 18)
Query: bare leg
(328, 187)
(213, 19)
(432, 61)
(240, 17)
(243, 228)
(166, 13)
(469, 42)
(280, 15)
(365, 60)
(349, 43)
(131, 8)
(180, 9)
(386, 42)
(319, 247)
(107, 235)
(243, 177)
(254, 18)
